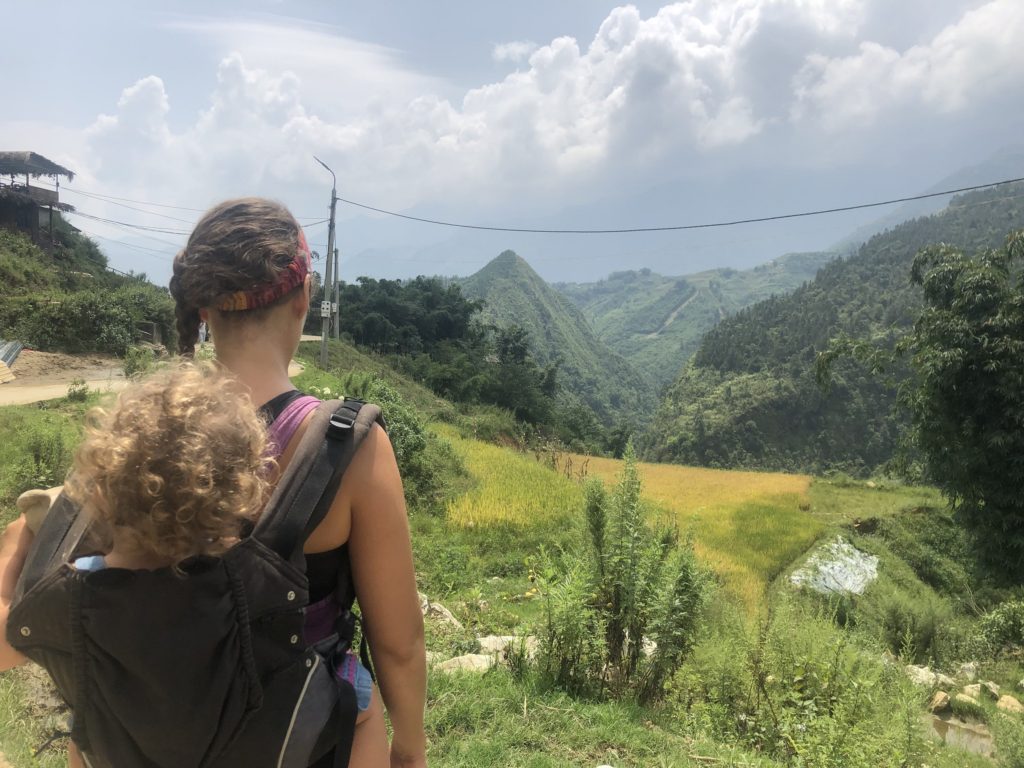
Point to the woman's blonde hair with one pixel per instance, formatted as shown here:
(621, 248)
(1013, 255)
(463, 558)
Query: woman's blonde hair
(178, 465)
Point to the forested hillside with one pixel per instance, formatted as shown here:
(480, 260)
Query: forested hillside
(513, 294)
(749, 398)
(656, 323)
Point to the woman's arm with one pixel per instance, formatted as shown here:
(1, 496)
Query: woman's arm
(385, 581)
(14, 544)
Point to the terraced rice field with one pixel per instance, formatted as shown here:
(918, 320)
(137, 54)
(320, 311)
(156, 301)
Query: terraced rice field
(747, 526)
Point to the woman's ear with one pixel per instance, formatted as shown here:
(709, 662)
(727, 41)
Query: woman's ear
(303, 299)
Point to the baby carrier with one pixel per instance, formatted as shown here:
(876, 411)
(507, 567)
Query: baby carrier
(203, 666)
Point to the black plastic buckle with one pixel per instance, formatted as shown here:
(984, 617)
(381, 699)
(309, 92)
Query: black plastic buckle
(340, 425)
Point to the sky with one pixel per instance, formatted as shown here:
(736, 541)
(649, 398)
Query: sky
(536, 114)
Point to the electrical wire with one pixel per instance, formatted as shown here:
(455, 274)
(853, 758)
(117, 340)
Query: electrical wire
(112, 198)
(679, 227)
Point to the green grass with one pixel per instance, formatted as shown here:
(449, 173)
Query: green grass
(495, 720)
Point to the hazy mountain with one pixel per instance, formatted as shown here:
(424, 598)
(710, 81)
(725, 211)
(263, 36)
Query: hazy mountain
(1007, 163)
(515, 294)
(749, 397)
(656, 323)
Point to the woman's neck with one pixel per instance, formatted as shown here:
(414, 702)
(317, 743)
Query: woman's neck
(261, 366)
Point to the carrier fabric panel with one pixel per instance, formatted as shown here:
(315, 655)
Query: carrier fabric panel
(173, 678)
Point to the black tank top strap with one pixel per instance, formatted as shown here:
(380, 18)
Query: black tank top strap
(273, 408)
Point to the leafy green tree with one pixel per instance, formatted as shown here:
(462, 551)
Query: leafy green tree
(967, 399)
(965, 392)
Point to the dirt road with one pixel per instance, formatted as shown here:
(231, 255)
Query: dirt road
(46, 376)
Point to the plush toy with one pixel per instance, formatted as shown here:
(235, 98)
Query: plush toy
(36, 503)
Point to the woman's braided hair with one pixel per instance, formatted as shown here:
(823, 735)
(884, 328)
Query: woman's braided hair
(237, 245)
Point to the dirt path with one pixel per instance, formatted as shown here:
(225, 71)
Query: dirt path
(46, 376)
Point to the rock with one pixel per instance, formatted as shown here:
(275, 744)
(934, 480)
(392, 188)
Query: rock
(974, 691)
(471, 662)
(963, 698)
(1010, 704)
(922, 676)
(437, 611)
(968, 671)
(1020, 685)
(939, 702)
(497, 645)
(837, 568)
(944, 681)
(871, 484)
(990, 689)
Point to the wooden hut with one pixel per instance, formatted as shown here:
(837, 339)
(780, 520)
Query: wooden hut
(26, 207)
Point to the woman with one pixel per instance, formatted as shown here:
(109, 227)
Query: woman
(245, 273)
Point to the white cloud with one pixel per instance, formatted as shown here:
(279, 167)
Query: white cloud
(977, 56)
(691, 83)
(515, 52)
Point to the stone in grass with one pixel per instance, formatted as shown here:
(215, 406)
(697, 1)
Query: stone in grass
(939, 702)
(496, 645)
(438, 611)
(944, 681)
(967, 702)
(974, 691)
(1010, 704)
(920, 675)
(968, 671)
(471, 662)
(991, 690)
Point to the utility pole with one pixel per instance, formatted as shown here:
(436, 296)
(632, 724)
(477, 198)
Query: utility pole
(325, 311)
(336, 307)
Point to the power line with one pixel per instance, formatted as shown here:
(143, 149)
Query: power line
(129, 207)
(112, 198)
(680, 227)
(151, 251)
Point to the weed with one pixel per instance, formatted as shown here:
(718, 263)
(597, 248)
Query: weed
(78, 391)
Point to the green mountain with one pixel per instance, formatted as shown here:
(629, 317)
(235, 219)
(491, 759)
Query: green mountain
(514, 294)
(749, 398)
(656, 323)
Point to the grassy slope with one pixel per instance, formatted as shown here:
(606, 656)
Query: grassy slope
(514, 293)
(657, 322)
(479, 568)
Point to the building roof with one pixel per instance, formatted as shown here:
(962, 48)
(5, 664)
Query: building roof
(31, 163)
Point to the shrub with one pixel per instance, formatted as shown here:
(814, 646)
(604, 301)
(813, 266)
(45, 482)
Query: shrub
(911, 625)
(1002, 628)
(623, 620)
(78, 391)
(798, 689)
(1009, 737)
(46, 462)
(138, 361)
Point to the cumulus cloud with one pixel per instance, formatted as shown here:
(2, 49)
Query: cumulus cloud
(975, 57)
(515, 52)
(691, 83)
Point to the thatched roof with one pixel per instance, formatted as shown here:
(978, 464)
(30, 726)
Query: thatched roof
(21, 163)
(22, 196)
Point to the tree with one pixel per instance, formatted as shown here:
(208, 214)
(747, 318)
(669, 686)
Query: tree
(967, 397)
(965, 392)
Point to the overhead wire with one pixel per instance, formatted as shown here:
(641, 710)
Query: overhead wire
(680, 227)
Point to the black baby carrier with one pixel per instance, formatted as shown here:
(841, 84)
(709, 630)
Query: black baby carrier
(205, 666)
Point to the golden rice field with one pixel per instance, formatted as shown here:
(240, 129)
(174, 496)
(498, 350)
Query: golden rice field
(747, 526)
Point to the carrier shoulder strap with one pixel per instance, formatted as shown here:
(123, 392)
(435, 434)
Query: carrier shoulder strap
(307, 488)
(60, 533)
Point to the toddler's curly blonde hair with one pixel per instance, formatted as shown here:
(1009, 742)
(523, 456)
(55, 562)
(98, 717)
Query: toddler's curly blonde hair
(176, 467)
